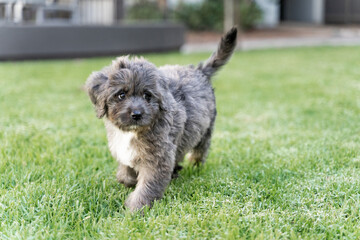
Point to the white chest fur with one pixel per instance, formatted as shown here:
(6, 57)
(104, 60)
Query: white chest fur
(120, 144)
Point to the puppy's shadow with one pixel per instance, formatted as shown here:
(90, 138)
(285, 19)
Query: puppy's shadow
(106, 197)
(189, 171)
(184, 186)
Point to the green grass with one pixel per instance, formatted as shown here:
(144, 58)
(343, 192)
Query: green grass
(284, 160)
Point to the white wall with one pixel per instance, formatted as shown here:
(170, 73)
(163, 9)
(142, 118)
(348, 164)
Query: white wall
(96, 11)
(318, 11)
(270, 9)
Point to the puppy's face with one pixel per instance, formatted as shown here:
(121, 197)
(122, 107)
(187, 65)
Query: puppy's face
(133, 100)
(127, 93)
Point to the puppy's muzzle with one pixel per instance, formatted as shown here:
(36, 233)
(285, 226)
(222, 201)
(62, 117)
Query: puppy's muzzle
(136, 115)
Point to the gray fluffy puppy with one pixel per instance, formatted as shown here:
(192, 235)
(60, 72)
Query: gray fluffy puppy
(154, 116)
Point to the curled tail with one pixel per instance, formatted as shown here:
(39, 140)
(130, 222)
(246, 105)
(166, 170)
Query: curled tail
(222, 54)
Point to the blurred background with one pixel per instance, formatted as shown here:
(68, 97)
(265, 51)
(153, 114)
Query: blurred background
(81, 28)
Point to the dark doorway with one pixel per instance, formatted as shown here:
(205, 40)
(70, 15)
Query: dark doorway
(342, 11)
(282, 10)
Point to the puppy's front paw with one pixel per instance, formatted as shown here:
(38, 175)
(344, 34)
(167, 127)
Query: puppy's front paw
(135, 202)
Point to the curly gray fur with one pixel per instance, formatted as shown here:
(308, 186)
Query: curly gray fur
(154, 116)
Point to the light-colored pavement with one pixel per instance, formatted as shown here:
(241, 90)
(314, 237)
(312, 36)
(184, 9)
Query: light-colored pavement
(282, 37)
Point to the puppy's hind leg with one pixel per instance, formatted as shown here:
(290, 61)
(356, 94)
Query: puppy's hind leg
(179, 158)
(200, 152)
(126, 175)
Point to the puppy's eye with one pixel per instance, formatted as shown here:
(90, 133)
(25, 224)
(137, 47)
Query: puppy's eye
(147, 96)
(121, 95)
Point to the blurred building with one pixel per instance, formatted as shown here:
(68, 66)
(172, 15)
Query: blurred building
(60, 11)
(79, 28)
(310, 11)
(70, 11)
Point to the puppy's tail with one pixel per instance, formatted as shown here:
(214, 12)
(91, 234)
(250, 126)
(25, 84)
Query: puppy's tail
(222, 54)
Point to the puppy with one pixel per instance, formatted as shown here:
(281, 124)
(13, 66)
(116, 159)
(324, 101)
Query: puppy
(154, 116)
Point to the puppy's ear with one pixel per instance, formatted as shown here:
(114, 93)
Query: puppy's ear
(95, 86)
(163, 104)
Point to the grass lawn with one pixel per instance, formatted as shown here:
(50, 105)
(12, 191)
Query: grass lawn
(284, 160)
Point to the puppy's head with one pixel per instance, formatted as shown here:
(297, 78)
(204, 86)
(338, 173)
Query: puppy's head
(128, 93)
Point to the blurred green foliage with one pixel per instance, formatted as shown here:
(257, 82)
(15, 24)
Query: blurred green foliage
(207, 15)
(250, 15)
(144, 10)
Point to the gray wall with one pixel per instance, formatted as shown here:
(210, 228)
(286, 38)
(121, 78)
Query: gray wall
(25, 42)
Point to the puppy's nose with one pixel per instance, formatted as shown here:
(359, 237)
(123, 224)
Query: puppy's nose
(136, 115)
